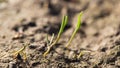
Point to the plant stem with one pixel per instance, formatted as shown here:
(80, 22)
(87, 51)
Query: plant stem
(64, 23)
(75, 31)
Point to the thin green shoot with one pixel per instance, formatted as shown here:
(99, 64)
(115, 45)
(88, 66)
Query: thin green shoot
(79, 55)
(82, 53)
(76, 29)
(51, 40)
(21, 52)
(64, 23)
(47, 40)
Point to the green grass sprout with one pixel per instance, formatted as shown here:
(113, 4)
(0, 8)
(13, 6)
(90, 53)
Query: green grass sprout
(47, 40)
(76, 29)
(21, 52)
(51, 40)
(64, 23)
(79, 55)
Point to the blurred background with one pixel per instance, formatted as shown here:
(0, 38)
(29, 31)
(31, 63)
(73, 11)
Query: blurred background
(32, 20)
(100, 17)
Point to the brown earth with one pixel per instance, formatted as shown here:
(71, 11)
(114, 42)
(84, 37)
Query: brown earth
(23, 21)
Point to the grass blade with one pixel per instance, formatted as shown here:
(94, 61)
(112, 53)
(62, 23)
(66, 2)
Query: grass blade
(64, 23)
(76, 29)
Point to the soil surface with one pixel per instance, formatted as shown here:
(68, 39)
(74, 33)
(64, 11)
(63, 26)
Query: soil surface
(30, 21)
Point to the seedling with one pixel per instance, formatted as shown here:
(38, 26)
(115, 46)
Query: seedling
(49, 41)
(21, 52)
(82, 53)
(64, 23)
(75, 31)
